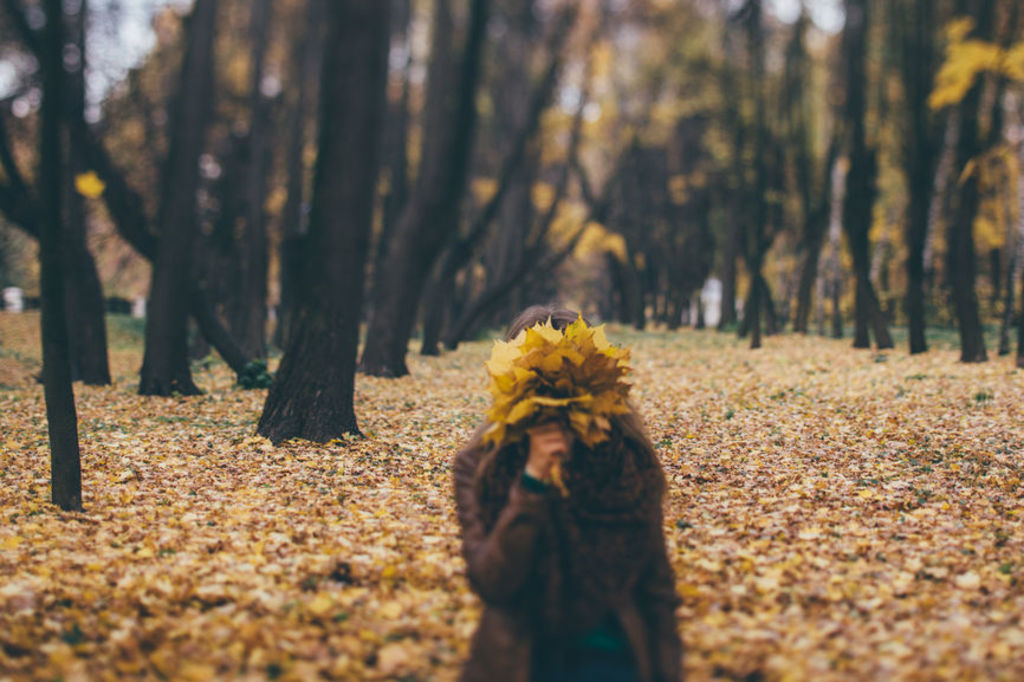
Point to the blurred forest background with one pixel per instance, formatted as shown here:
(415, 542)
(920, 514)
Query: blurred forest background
(754, 165)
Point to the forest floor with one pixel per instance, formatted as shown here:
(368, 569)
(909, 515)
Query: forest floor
(832, 514)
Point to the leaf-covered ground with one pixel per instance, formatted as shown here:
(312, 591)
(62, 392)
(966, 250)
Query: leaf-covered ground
(832, 515)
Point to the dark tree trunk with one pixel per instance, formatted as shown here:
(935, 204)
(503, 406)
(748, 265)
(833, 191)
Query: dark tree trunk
(61, 416)
(87, 329)
(729, 255)
(436, 301)
(860, 181)
(837, 313)
(1020, 328)
(395, 164)
(312, 395)
(515, 177)
(431, 217)
(1008, 304)
(248, 303)
(86, 311)
(757, 240)
(293, 224)
(816, 219)
(753, 310)
(960, 236)
(165, 368)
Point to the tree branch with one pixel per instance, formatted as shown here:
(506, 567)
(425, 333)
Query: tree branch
(25, 33)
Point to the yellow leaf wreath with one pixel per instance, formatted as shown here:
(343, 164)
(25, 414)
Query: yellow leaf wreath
(575, 377)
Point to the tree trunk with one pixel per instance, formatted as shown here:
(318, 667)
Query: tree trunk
(249, 300)
(753, 310)
(1015, 268)
(87, 331)
(312, 395)
(165, 368)
(431, 217)
(436, 300)
(960, 235)
(61, 416)
(395, 164)
(860, 180)
(1020, 329)
(293, 222)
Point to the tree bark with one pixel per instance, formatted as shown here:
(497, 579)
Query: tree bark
(1015, 268)
(249, 302)
(431, 217)
(518, 169)
(860, 180)
(165, 368)
(84, 296)
(312, 395)
(395, 164)
(87, 329)
(293, 224)
(61, 416)
(960, 235)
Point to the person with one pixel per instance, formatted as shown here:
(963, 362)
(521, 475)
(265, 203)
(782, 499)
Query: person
(575, 586)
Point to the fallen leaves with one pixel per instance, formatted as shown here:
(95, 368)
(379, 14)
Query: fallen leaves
(828, 517)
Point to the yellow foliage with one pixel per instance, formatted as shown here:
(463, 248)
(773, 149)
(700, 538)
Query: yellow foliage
(542, 194)
(987, 234)
(575, 377)
(678, 189)
(967, 59)
(483, 189)
(89, 185)
(598, 239)
(964, 62)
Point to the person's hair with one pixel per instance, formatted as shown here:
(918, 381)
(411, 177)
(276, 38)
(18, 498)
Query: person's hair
(536, 314)
(629, 425)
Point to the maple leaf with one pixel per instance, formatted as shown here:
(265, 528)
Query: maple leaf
(574, 376)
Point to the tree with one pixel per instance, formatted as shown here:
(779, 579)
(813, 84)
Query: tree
(860, 179)
(248, 309)
(516, 175)
(813, 178)
(61, 417)
(918, 23)
(306, 63)
(85, 307)
(312, 394)
(165, 368)
(960, 231)
(431, 216)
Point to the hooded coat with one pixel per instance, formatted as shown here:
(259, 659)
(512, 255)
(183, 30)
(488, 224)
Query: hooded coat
(548, 568)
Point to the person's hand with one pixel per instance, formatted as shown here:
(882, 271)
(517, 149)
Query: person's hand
(549, 442)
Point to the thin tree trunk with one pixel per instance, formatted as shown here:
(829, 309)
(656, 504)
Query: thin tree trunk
(431, 216)
(833, 273)
(1015, 268)
(396, 139)
(1020, 329)
(61, 416)
(960, 236)
(87, 329)
(165, 368)
(312, 395)
(248, 303)
(293, 223)
(939, 203)
(860, 181)
(517, 171)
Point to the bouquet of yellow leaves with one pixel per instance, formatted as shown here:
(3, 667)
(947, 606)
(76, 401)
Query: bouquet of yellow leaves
(544, 374)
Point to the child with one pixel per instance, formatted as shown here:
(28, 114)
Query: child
(570, 560)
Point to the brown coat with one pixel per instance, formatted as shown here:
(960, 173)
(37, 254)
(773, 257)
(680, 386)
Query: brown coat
(502, 560)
